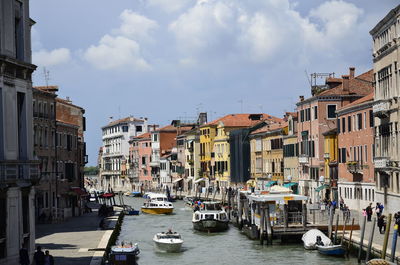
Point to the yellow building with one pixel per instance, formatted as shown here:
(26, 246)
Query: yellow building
(266, 152)
(331, 166)
(215, 149)
(291, 153)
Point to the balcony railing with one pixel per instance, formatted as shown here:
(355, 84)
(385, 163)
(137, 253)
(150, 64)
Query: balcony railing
(381, 108)
(12, 170)
(381, 162)
(303, 159)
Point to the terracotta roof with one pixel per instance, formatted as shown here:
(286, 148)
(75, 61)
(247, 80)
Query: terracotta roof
(171, 128)
(242, 120)
(360, 85)
(369, 97)
(271, 127)
(47, 88)
(68, 102)
(127, 119)
(144, 135)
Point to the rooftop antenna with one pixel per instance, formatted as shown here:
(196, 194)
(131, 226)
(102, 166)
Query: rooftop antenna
(46, 74)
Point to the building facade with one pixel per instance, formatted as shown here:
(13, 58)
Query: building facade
(19, 169)
(116, 136)
(356, 132)
(291, 153)
(316, 116)
(386, 55)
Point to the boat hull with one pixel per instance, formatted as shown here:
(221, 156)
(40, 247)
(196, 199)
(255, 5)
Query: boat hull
(336, 250)
(211, 225)
(157, 210)
(168, 247)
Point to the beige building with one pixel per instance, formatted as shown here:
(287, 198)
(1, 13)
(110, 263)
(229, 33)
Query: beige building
(291, 152)
(386, 48)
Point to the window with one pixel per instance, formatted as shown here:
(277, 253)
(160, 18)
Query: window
(359, 121)
(338, 125)
(343, 124)
(139, 128)
(331, 111)
(349, 123)
(365, 120)
(302, 115)
(308, 114)
(315, 112)
(124, 128)
(371, 118)
(366, 153)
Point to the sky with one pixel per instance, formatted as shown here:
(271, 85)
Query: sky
(170, 59)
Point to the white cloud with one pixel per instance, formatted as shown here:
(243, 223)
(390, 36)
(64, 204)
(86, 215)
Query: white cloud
(121, 48)
(51, 58)
(135, 26)
(264, 30)
(116, 52)
(169, 6)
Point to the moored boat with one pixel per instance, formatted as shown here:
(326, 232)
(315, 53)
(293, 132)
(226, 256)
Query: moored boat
(333, 250)
(157, 204)
(212, 218)
(124, 254)
(128, 210)
(310, 239)
(168, 241)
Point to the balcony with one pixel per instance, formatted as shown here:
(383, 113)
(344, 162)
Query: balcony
(354, 167)
(154, 164)
(303, 159)
(381, 108)
(381, 162)
(16, 170)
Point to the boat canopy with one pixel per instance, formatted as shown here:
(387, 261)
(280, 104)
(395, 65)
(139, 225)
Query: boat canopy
(325, 186)
(277, 197)
(290, 184)
(270, 183)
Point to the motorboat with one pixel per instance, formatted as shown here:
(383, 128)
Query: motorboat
(124, 254)
(128, 210)
(157, 204)
(333, 250)
(210, 217)
(133, 194)
(168, 241)
(310, 239)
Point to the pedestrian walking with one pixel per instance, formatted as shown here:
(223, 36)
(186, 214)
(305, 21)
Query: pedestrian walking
(397, 222)
(369, 212)
(38, 257)
(48, 259)
(23, 256)
(381, 224)
(379, 209)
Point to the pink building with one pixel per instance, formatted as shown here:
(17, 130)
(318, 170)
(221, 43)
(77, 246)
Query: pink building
(356, 182)
(140, 156)
(316, 116)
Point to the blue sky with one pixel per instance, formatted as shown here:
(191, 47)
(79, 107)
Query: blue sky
(166, 59)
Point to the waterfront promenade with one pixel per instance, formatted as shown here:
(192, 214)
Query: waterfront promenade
(70, 241)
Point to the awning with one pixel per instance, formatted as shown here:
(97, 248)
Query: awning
(198, 180)
(290, 184)
(107, 195)
(325, 186)
(177, 180)
(270, 183)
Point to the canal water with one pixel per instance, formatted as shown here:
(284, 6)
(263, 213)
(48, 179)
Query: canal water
(227, 248)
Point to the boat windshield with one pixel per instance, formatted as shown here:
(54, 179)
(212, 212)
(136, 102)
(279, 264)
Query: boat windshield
(212, 206)
(161, 199)
(169, 236)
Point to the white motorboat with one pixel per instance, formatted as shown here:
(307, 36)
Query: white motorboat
(212, 218)
(310, 239)
(124, 254)
(157, 203)
(168, 241)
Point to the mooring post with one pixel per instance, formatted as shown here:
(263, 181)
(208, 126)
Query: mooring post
(371, 238)
(269, 228)
(362, 238)
(336, 228)
(285, 216)
(262, 222)
(394, 243)
(351, 234)
(330, 222)
(344, 231)
(304, 213)
(385, 240)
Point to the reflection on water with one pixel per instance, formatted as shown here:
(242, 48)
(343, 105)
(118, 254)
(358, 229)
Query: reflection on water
(230, 247)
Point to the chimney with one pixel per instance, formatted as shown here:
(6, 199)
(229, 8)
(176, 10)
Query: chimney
(301, 98)
(351, 72)
(345, 83)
